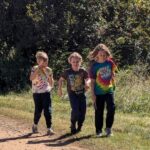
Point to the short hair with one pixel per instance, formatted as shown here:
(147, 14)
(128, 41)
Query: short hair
(100, 47)
(41, 55)
(75, 55)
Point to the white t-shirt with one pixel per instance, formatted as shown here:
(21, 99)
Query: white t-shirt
(40, 84)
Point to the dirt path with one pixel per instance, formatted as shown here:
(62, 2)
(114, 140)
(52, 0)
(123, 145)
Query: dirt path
(16, 135)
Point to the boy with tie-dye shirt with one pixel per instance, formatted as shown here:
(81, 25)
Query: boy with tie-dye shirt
(102, 75)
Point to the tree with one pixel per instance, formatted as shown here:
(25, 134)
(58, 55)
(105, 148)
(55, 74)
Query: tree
(124, 27)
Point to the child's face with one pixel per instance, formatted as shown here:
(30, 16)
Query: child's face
(75, 63)
(102, 56)
(42, 63)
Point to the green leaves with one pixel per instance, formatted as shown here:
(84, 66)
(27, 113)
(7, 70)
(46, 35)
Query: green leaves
(61, 27)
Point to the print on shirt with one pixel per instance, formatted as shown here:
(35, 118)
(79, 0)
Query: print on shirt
(40, 84)
(104, 78)
(76, 82)
(104, 73)
(40, 81)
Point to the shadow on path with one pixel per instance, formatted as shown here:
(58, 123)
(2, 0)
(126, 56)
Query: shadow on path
(63, 140)
(25, 136)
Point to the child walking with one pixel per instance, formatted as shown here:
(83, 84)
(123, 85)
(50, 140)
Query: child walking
(42, 83)
(77, 83)
(102, 86)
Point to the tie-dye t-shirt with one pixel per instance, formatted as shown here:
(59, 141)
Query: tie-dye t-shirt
(75, 80)
(103, 73)
(40, 84)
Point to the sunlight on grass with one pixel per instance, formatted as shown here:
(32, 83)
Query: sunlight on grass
(132, 120)
(132, 131)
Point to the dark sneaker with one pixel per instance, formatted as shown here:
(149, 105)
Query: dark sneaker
(99, 134)
(73, 129)
(50, 131)
(79, 129)
(108, 132)
(34, 129)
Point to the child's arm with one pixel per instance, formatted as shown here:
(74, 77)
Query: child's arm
(86, 80)
(92, 91)
(34, 74)
(60, 82)
(87, 84)
(51, 80)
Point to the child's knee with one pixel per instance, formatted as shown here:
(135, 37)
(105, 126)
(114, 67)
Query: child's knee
(47, 112)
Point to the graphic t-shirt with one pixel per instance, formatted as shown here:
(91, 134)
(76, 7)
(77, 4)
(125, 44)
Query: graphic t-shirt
(75, 80)
(40, 84)
(103, 73)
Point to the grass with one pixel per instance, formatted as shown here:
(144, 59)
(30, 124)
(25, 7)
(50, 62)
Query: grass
(132, 131)
(132, 120)
(132, 92)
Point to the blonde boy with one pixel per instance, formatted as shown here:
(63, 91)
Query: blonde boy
(42, 82)
(76, 78)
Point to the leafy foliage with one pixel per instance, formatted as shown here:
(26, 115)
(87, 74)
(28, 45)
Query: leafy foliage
(60, 27)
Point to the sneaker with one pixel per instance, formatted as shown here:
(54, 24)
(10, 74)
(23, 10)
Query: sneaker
(34, 129)
(73, 129)
(108, 132)
(79, 129)
(99, 134)
(50, 131)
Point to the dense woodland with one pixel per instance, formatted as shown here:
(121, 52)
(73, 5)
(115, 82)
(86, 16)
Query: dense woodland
(60, 27)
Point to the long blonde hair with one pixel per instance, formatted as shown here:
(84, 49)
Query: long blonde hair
(100, 47)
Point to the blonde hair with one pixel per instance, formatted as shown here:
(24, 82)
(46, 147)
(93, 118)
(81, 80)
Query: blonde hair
(100, 47)
(41, 55)
(75, 55)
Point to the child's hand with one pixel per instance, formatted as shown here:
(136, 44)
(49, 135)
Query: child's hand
(94, 100)
(59, 92)
(86, 87)
(36, 70)
(87, 84)
(34, 74)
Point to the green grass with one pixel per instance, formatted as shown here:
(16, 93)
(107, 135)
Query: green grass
(132, 92)
(131, 130)
(132, 120)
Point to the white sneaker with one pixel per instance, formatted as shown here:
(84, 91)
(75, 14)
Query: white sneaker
(99, 134)
(50, 131)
